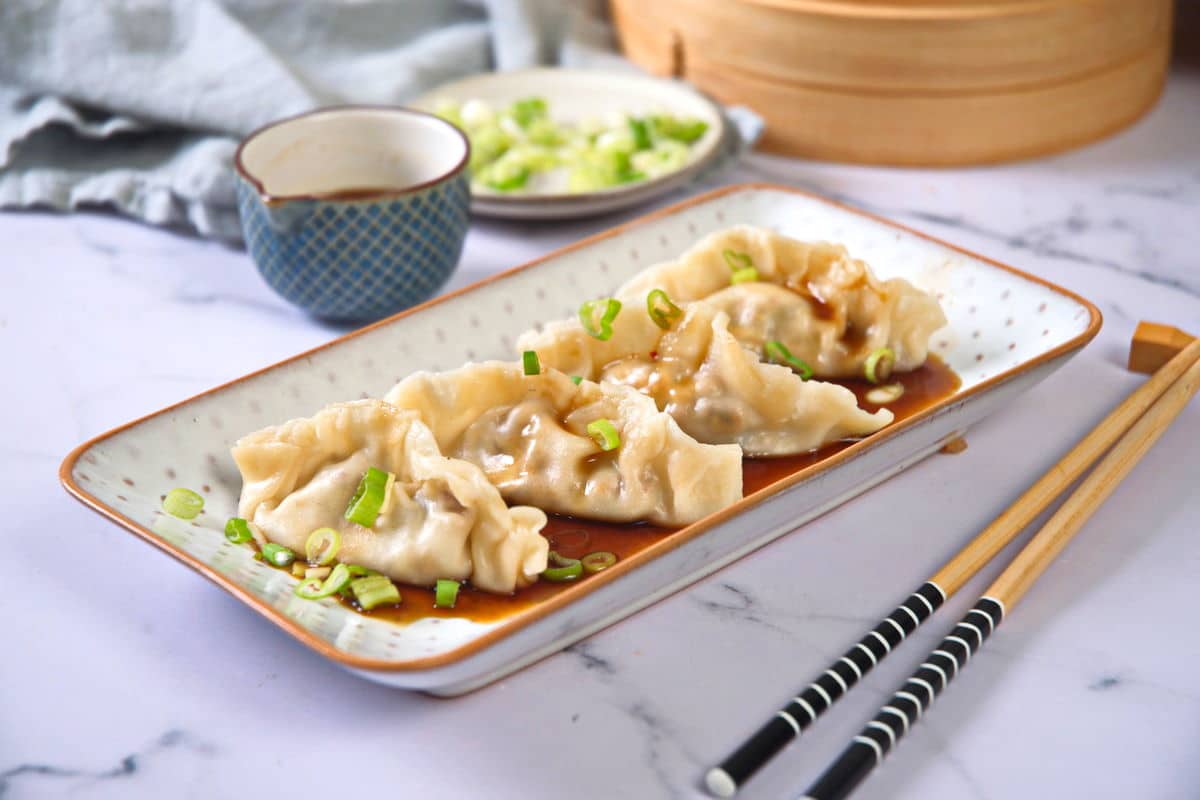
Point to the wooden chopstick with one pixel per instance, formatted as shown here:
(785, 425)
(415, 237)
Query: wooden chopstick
(724, 779)
(880, 736)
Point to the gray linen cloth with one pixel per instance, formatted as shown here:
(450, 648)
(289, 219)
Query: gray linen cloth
(138, 104)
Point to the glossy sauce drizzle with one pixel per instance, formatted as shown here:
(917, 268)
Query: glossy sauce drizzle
(573, 538)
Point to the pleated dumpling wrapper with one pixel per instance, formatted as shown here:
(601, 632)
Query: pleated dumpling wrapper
(827, 308)
(716, 389)
(445, 520)
(529, 434)
(718, 392)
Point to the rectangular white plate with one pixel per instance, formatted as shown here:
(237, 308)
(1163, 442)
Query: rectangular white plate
(1007, 331)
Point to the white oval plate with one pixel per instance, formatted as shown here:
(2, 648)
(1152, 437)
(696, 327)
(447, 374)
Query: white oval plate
(1007, 331)
(574, 94)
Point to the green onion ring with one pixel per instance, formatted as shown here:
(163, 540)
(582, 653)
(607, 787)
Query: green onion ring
(445, 593)
(237, 530)
(363, 572)
(338, 579)
(737, 261)
(605, 434)
(598, 561)
(564, 569)
(661, 309)
(587, 317)
(778, 353)
(576, 379)
(277, 554)
(322, 546)
(747, 275)
(183, 503)
(878, 366)
(368, 498)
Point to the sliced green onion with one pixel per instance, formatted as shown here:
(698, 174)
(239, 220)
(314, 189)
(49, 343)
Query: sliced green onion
(445, 593)
(368, 498)
(641, 133)
(661, 309)
(587, 317)
(527, 110)
(362, 572)
(277, 554)
(564, 569)
(683, 129)
(504, 175)
(183, 503)
(530, 360)
(882, 395)
(576, 379)
(779, 354)
(747, 275)
(322, 546)
(605, 434)
(737, 261)
(598, 561)
(878, 366)
(237, 530)
(742, 266)
(374, 591)
(314, 588)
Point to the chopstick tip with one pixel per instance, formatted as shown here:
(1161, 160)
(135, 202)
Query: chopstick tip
(719, 783)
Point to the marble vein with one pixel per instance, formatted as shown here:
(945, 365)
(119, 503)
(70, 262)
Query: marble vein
(125, 767)
(736, 604)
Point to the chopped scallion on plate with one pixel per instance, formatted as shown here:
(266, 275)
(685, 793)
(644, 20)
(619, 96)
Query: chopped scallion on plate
(879, 364)
(529, 359)
(563, 569)
(521, 148)
(778, 353)
(277, 554)
(368, 500)
(237, 530)
(374, 591)
(661, 309)
(598, 561)
(322, 545)
(605, 434)
(313, 588)
(597, 317)
(183, 503)
(445, 593)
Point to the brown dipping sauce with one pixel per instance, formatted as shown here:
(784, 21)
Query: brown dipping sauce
(574, 538)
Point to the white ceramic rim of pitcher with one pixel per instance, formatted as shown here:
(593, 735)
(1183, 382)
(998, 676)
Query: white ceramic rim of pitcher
(401, 110)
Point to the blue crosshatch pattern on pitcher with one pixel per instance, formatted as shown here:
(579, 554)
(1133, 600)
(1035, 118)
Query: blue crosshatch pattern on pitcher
(359, 259)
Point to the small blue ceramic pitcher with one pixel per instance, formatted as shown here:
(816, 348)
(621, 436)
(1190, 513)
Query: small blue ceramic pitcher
(356, 212)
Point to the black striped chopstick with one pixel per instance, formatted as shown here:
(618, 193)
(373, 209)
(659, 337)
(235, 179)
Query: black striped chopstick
(913, 699)
(803, 709)
(798, 714)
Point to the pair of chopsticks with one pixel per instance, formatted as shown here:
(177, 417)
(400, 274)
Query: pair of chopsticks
(1127, 433)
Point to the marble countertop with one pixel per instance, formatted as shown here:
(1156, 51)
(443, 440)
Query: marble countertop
(127, 675)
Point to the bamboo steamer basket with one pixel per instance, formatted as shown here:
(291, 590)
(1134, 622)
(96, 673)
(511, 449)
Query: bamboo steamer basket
(913, 82)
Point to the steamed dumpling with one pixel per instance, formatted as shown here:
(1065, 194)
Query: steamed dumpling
(529, 435)
(826, 307)
(446, 520)
(719, 392)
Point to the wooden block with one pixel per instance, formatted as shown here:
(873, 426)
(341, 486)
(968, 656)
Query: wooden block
(1154, 345)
